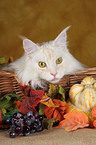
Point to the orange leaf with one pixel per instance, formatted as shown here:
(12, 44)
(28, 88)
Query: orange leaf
(94, 112)
(49, 112)
(74, 120)
(48, 101)
(56, 112)
(18, 103)
(57, 115)
(94, 123)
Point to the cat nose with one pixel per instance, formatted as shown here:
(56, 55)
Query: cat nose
(54, 74)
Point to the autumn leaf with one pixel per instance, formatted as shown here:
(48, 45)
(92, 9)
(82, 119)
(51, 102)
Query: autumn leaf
(94, 112)
(41, 109)
(48, 123)
(7, 102)
(52, 90)
(9, 114)
(48, 101)
(61, 91)
(56, 112)
(56, 92)
(1, 124)
(74, 120)
(29, 103)
(94, 123)
(91, 120)
(2, 60)
(0, 115)
(18, 103)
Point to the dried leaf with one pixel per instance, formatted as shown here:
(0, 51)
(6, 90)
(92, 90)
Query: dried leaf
(30, 102)
(7, 102)
(91, 120)
(56, 112)
(56, 92)
(61, 92)
(48, 123)
(9, 114)
(52, 90)
(94, 112)
(18, 103)
(48, 101)
(2, 60)
(0, 115)
(74, 120)
(41, 109)
(94, 123)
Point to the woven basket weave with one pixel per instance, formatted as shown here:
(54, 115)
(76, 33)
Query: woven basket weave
(9, 83)
(68, 80)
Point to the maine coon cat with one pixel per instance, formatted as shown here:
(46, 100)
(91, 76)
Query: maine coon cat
(45, 62)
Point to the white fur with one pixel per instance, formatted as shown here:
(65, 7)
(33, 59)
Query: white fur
(27, 68)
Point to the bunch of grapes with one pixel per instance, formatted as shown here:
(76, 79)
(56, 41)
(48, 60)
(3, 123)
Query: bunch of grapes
(24, 124)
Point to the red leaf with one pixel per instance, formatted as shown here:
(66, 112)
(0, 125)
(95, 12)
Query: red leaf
(1, 126)
(74, 120)
(29, 103)
(0, 115)
(56, 112)
(94, 112)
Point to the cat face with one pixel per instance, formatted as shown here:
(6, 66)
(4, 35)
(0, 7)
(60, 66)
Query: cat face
(48, 63)
(47, 59)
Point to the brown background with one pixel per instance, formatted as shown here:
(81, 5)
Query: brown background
(43, 20)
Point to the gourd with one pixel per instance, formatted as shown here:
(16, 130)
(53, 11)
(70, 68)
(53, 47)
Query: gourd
(83, 95)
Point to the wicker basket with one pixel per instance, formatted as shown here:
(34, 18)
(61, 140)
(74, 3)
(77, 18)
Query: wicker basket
(9, 83)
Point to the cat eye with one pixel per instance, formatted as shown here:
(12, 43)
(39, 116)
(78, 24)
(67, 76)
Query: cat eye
(59, 60)
(42, 64)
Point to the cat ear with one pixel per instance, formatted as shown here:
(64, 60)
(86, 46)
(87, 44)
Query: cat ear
(62, 37)
(29, 46)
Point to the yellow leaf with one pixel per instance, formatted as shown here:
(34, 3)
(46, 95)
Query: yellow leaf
(48, 101)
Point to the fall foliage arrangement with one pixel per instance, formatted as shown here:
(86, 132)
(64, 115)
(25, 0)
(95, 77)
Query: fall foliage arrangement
(40, 109)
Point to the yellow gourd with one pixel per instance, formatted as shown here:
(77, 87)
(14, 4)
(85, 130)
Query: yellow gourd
(83, 95)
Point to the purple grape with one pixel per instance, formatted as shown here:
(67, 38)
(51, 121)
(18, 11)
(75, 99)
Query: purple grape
(18, 115)
(27, 122)
(39, 129)
(32, 130)
(32, 119)
(17, 123)
(26, 129)
(35, 125)
(18, 129)
(12, 134)
(26, 134)
(9, 121)
(40, 117)
(30, 114)
(39, 123)
(36, 115)
(25, 116)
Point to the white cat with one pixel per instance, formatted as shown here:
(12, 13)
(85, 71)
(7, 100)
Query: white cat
(46, 62)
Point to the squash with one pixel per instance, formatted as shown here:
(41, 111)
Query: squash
(83, 95)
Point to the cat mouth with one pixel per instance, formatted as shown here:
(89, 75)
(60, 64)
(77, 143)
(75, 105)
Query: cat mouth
(55, 80)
